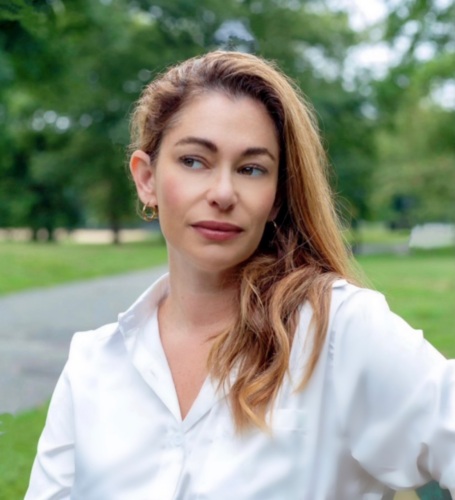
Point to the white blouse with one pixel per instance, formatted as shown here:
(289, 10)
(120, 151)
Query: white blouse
(378, 415)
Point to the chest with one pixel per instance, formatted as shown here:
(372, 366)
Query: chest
(187, 361)
(142, 445)
(132, 442)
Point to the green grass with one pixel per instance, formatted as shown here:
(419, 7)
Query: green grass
(420, 287)
(19, 435)
(28, 265)
(378, 233)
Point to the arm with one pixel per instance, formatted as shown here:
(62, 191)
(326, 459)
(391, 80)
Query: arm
(53, 469)
(395, 394)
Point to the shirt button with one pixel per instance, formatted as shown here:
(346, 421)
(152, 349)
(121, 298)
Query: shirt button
(177, 440)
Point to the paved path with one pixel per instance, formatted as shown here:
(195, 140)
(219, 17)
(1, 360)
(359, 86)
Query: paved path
(36, 327)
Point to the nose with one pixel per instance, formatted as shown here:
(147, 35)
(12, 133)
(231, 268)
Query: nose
(222, 192)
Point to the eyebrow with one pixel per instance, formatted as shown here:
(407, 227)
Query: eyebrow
(254, 151)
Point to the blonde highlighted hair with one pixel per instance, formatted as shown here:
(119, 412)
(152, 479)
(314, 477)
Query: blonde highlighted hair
(298, 261)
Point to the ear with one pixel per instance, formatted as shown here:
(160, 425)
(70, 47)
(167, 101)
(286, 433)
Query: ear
(275, 209)
(273, 213)
(143, 174)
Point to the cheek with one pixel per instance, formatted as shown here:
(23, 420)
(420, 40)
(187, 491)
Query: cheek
(171, 194)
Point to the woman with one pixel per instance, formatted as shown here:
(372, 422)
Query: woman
(255, 369)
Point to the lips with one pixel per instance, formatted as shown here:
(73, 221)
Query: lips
(218, 226)
(217, 231)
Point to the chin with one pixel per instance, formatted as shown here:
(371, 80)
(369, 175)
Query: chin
(220, 266)
(210, 261)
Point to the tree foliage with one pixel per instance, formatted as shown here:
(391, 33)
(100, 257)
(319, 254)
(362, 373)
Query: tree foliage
(416, 171)
(70, 71)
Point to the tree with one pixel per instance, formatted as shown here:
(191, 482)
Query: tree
(416, 178)
(91, 59)
(25, 194)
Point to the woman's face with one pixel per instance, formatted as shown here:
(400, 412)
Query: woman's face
(215, 181)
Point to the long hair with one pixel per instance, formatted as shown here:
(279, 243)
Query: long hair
(298, 261)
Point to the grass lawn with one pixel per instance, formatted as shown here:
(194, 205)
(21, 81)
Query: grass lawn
(378, 232)
(27, 265)
(19, 435)
(420, 287)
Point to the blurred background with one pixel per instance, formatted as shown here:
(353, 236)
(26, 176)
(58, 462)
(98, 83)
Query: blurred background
(381, 75)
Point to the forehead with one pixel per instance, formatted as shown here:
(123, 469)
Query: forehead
(220, 116)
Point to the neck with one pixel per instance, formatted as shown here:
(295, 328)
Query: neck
(199, 304)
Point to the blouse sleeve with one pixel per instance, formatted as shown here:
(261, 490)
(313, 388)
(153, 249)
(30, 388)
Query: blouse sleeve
(53, 469)
(395, 395)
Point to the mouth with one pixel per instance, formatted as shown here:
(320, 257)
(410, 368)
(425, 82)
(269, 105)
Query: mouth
(217, 231)
(218, 226)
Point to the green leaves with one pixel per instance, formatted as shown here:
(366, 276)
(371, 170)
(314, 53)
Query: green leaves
(71, 70)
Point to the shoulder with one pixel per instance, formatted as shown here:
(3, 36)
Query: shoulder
(352, 310)
(373, 351)
(88, 344)
(358, 313)
(348, 298)
(362, 318)
(115, 339)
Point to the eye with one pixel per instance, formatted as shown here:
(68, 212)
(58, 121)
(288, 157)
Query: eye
(190, 162)
(252, 170)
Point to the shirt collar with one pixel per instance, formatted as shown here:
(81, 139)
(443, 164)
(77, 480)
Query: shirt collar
(143, 308)
(139, 327)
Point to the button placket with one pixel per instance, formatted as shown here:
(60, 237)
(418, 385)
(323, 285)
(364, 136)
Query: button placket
(175, 438)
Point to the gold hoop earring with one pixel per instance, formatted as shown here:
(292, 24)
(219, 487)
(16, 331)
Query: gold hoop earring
(149, 213)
